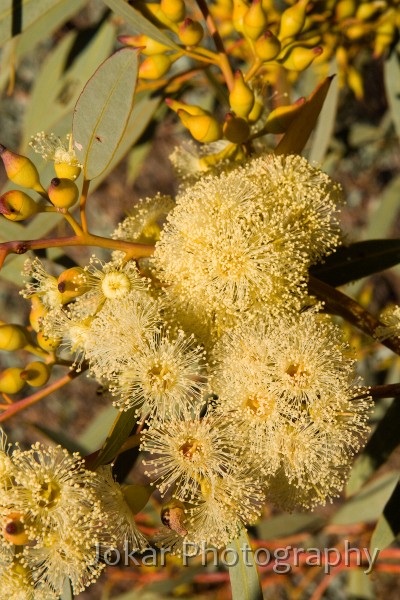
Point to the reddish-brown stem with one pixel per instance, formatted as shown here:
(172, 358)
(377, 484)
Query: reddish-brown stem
(21, 247)
(391, 390)
(337, 303)
(219, 44)
(33, 398)
(82, 204)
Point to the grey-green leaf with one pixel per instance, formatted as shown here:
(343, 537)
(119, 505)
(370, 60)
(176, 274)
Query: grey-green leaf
(245, 581)
(103, 110)
(15, 17)
(388, 526)
(392, 84)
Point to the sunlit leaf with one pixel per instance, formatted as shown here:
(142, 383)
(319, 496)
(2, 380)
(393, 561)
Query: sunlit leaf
(103, 109)
(245, 581)
(392, 84)
(61, 80)
(385, 439)
(119, 432)
(368, 504)
(300, 129)
(388, 526)
(325, 125)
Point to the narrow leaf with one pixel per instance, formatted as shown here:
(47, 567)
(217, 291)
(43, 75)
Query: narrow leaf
(388, 526)
(60, 81)
(139, 23)
(358, 260)
(300, 129)
(15, 17)
(368, 504)
(381, 444)
(103, 110)
(245, 581)
(392, 84)
(119, 432)
(325, 125)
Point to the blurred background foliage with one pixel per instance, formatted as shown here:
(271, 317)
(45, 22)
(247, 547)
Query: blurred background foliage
(42, 72)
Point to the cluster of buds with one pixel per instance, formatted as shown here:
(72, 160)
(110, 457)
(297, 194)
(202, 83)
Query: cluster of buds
(36, 374)
(63, 193)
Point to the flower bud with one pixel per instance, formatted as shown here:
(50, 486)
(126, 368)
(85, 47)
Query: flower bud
(67, 171)
(240, 8)
(46, 343)
(355, 82)
(21, 170)
(10, 381)
(173, 9)
(267, 46)
(190, 32)
(241, 98)
(63, 193)
(204, 128)
(369, 10)
(12, 337)
(192, 109)
(14, 530)
(292, 20)
(236, 129)
(154, 67)
(385, 36)
(37, 373)
(17, 206)
(355, 32)
(254, 20)
(37, 313)
(300, 57)
(279, 119)
(148, 46)
(345, 9)
(71, 284)
(136, 496)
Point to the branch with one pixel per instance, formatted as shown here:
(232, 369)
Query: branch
(339, 304)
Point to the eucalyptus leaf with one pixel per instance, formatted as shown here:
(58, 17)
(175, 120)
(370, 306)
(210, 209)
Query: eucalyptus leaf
(139, 23)
(325, 125)
(300, 129)
(143, 112)
(103, 109)
(388, 526)
(67, 591)
(392, 85)
(381, 444)
(358, 260)
(368, 504)
(15, 17)
(119, 432)
(61, 80)
(245, 581)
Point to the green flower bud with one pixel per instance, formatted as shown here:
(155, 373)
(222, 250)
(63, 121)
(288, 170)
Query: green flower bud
(241, 98)
(236, 129)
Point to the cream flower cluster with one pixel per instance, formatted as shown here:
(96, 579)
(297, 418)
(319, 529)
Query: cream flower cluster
(245, 390)
(57, 516)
